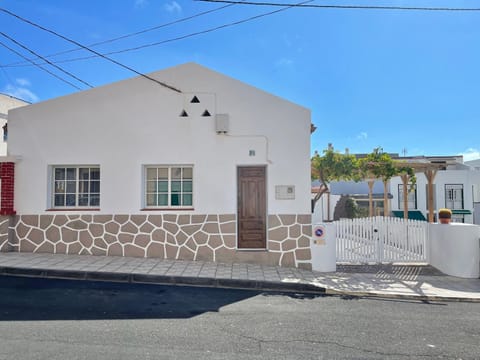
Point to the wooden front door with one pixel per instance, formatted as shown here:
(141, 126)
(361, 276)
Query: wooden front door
(251, 207)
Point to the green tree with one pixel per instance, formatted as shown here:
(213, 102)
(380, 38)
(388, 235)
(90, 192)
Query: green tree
(351, 208)
(335, 166)
(332, 166)
(377, 165)
(380, 165)
(407, 174)
(346, 207)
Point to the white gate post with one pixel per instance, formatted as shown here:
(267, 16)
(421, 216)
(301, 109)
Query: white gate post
(323, 247)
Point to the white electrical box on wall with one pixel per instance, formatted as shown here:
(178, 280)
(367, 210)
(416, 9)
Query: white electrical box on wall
(222, 123)
(284, 192)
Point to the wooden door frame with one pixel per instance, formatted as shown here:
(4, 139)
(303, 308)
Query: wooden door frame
(265, 167)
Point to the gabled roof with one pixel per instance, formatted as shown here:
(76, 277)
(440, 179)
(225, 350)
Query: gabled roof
(188, 78)
(192, 72)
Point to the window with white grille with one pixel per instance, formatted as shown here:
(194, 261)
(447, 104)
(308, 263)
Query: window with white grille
(168, 186)
(76, 186)
(454, 196)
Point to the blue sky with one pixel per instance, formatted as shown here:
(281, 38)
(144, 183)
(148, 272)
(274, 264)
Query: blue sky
(395, 79)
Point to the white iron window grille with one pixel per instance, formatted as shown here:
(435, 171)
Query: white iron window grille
(168, 186)
(454, 196)
(76, 186)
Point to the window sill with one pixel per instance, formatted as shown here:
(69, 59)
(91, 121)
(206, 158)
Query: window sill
(168, 209)
(73, 209)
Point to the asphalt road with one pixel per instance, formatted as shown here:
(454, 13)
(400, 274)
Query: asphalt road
(60, 319)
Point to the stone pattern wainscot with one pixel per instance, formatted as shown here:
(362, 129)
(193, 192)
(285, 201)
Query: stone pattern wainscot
(4, 227)
(167, 236)
(289, 238)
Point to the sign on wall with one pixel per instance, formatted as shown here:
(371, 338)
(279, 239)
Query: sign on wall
(284, 192)
(319, 232)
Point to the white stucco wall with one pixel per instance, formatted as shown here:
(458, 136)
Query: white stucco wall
(321, 213)
(132, 123)
(454, 249)
(474, 163)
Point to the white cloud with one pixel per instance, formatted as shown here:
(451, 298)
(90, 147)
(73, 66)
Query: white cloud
(141, 3)
(19, 90)
(471, 154)
(173, 7)
(22, 82)
(284, 62)
(362, 136)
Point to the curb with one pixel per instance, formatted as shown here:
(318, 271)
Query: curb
(242, 284)
(378, 295)
(163, 280)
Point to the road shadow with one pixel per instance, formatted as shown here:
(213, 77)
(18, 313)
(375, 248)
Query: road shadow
(27, 299)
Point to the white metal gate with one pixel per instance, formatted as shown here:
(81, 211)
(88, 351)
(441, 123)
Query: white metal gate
(381, 239)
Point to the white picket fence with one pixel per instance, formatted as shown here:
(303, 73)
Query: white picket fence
(381, 239)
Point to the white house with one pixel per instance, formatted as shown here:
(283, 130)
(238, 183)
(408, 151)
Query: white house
(456, 186)
(473, 163)
(185, 164)
(7, 102)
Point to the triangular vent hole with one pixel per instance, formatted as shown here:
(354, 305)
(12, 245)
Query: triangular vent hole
(183, 114)
(206, 113)
(195, 100)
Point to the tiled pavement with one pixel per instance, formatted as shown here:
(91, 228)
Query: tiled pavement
(395, 281)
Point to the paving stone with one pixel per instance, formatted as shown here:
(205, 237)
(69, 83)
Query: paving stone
(385, 280)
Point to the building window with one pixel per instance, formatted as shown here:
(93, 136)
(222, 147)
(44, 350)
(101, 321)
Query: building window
(5, 132)
(411, 198)
(76, 186)
(458, 218)
(169, 186)
(454, 196)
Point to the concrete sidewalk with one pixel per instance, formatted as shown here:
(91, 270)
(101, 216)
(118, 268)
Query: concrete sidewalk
(404, 282)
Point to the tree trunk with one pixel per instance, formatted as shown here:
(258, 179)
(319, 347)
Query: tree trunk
(405, 179)
(430, 175)
(370, 197)
(329, 217)
(385, 199)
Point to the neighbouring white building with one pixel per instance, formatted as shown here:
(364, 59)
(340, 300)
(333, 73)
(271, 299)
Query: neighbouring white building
(474, 164)
(456, 186)
(7, 102)
(189, 164)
